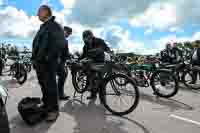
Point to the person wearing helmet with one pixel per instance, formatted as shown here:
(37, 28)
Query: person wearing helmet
(94, 49)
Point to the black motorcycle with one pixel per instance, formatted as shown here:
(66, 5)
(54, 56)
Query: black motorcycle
(27, 63)
(18, 70)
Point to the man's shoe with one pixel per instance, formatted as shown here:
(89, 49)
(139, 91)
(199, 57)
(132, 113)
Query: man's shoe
(52, 116)
(64, 97)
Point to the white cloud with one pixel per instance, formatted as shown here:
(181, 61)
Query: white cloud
(60, 17)
(158, 16)
(125, 43)
(129, 45)
(176, 29)
(188, 12)
(1, 2)
(148, 32)
(100, 12)
(160, 44)
(45, 2)
(165, 15)
(196, 36)
(117, 38)
(16, 23)
(68, 4)
(86, 14)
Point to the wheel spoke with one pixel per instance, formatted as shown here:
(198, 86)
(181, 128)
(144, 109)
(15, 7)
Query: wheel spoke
(124, 101)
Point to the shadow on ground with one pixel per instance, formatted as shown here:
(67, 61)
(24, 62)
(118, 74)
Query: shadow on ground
(184, 88)
(92, 118)
(17, 125)
(145, 130)
(9, 83)
(172, 104)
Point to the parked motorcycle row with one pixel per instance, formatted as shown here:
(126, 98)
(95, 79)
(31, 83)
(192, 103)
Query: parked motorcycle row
(15, 64)
(114, 79)
(119, 78)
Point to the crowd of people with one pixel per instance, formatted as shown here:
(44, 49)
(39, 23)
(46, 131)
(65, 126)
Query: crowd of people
(49, 54)
(174, 55)
(176, 52)
(171, 54)
(8, 49)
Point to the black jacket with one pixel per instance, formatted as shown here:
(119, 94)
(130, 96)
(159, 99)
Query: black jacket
(65, 52)
(177, 55)
(98, 46)
(166, 56)
(197, 61)
(48, 42)
(2, 52)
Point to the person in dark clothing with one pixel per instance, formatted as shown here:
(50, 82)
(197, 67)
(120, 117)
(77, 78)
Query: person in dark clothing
(195, 60)
(166, 54)
(62, 72)
(95, 44)
(1, 66)
(2, 58)
(176, 54)
(47, 44)
(94, 49)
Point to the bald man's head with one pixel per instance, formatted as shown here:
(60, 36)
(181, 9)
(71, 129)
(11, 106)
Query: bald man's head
(44, 13)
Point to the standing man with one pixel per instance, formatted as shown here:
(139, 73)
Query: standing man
(166, 54)
(62, 72)
(2, 58)
(176, 54)
(47, 44)
(195, 59)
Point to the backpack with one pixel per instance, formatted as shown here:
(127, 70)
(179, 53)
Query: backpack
(31, 111)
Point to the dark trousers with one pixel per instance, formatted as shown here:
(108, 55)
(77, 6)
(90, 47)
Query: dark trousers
(46, 74)
(62, 74)
(1, 66)
(195, 74)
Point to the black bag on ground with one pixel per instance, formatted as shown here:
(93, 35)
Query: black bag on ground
(31, 111)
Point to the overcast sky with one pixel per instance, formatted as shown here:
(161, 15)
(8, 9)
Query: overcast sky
(141, 26)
